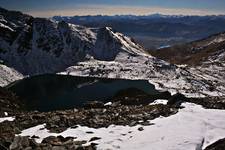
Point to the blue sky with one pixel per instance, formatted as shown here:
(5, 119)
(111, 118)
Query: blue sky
(46, 8)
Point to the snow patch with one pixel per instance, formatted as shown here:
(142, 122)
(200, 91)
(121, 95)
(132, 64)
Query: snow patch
(108, 104)
(7, 27)
(6, 114)
(159, 101)
(7, 119)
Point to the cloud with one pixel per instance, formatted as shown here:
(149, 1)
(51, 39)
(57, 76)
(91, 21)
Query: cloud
(121, 10)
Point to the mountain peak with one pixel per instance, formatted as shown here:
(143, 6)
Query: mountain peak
(37, 44)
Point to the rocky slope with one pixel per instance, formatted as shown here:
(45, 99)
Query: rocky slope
(153, 126)
(193, 53)
(10, 103)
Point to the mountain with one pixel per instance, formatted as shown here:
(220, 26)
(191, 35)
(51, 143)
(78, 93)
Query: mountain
(33, 46)
(155, 31)
(195, 53)
(38, 45)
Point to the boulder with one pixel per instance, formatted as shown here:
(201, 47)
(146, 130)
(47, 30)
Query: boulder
(140, 129)
(218, 145)
(19, 142)
(176, 100)
(94, 139)
(94, 104)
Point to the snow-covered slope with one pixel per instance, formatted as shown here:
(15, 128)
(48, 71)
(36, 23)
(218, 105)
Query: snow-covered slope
(163, 75)
(8, 75)
(212, 70)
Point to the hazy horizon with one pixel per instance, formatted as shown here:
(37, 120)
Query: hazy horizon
(49, 8)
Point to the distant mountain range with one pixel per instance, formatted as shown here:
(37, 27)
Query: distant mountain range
(155, 30)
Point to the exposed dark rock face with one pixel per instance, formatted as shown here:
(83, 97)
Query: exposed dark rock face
(218, 145)
(209, 102)
(16, 22)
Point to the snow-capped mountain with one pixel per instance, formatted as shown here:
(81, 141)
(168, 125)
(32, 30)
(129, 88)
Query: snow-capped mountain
(37, 46)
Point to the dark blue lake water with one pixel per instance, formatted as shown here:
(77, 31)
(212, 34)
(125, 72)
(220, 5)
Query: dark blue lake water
(53, 92)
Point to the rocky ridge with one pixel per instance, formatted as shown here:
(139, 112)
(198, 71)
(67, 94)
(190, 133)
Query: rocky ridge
(38, 45)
